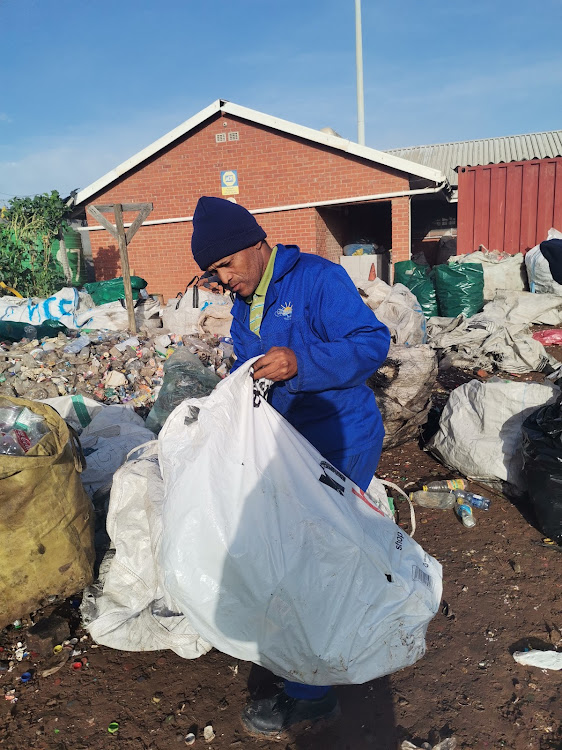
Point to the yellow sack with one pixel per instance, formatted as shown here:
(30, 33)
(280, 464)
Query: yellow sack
(46, 519)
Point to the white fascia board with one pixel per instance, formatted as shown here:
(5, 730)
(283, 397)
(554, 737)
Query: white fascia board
(149, 151)
(276, 123)
(332, 141)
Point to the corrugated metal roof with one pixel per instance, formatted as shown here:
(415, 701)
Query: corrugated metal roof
(447, 156)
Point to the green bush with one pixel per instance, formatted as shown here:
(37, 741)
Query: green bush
(26, 235)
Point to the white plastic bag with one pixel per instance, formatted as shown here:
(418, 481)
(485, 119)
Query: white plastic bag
(538, 268)
(62, 306)
(402, 387)
(480, 429)
(77, 411)
(276, 557)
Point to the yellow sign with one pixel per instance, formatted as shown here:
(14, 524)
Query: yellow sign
(229, 182)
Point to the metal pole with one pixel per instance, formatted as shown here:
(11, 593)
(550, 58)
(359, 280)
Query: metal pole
(359, 65)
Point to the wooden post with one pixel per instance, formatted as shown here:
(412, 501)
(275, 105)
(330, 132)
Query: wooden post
(123, 238)
(124, 257)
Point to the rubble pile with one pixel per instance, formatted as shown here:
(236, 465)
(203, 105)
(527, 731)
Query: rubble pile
(108, 366)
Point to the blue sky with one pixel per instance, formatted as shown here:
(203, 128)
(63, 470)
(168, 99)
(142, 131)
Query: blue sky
(85, 85)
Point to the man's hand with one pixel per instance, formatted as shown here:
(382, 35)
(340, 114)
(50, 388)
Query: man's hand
(280, 363)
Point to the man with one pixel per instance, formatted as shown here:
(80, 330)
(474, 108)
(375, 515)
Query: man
(319, 343)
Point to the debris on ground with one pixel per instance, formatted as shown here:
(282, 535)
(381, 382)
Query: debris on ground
(541, 659)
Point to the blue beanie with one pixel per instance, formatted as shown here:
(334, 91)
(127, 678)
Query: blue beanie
(221, 228)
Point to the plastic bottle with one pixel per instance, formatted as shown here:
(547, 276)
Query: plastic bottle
(470, 498)
(446, 484)
(32, 425)
(442, 500)
(77, 345)
(464, 512)
(9, 446)
(479, 501)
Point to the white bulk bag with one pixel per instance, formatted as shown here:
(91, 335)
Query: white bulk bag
(480, 429)
(276, 557)
(538, 268)
(501, 271)
(129, 608)
(398, 308)
(182, 315)
(113, 432)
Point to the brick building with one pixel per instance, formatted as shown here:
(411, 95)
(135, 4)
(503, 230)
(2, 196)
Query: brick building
(306, 187)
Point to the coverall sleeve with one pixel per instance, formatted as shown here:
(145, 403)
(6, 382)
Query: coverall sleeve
(352, 342)
(237, 335)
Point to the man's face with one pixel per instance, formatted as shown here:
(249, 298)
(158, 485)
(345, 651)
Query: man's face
(242, 271)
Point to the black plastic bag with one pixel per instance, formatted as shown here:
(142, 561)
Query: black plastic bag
(542, 466)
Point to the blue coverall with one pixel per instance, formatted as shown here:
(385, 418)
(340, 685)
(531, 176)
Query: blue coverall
(313, 308)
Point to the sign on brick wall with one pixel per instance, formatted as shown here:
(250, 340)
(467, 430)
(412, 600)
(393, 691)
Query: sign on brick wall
(229, 182)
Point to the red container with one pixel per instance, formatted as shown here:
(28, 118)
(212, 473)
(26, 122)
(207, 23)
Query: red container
(509, 207)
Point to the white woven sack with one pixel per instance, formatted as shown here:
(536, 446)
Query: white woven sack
(275, 556)
(112, 433)
(480, 428)
(538, 268)
(180, 316)
(130, 609)
(500, 272)
(398, 309)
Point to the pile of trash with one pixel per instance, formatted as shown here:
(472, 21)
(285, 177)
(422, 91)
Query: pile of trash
(479, 312)
(499, 337)
(107, 366)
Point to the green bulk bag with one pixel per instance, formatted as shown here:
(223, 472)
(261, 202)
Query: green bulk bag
(12, 330)
(460, 289)
(419, 280)
(113, 289)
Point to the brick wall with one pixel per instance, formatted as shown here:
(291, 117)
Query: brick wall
(273, 169)
(329, 240)
(400, 229)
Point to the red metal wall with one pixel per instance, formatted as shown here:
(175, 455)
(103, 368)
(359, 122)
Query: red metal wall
(509, 206)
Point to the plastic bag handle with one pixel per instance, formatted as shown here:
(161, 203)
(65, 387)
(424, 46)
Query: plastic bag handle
(135, 303)
(77, 452)
(412, 512)
(195, 280)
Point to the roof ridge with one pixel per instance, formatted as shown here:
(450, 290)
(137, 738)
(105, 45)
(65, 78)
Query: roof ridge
(343, 145)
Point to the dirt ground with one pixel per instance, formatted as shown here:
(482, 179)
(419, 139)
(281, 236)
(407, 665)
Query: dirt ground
(502, 592)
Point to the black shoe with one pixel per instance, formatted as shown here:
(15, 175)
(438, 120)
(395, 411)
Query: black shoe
(270, 716)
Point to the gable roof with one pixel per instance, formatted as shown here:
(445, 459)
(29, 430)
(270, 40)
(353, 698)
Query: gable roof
(446, 157)
(284, 126)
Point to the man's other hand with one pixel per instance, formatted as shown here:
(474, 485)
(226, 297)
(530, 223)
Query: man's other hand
(280, 363)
